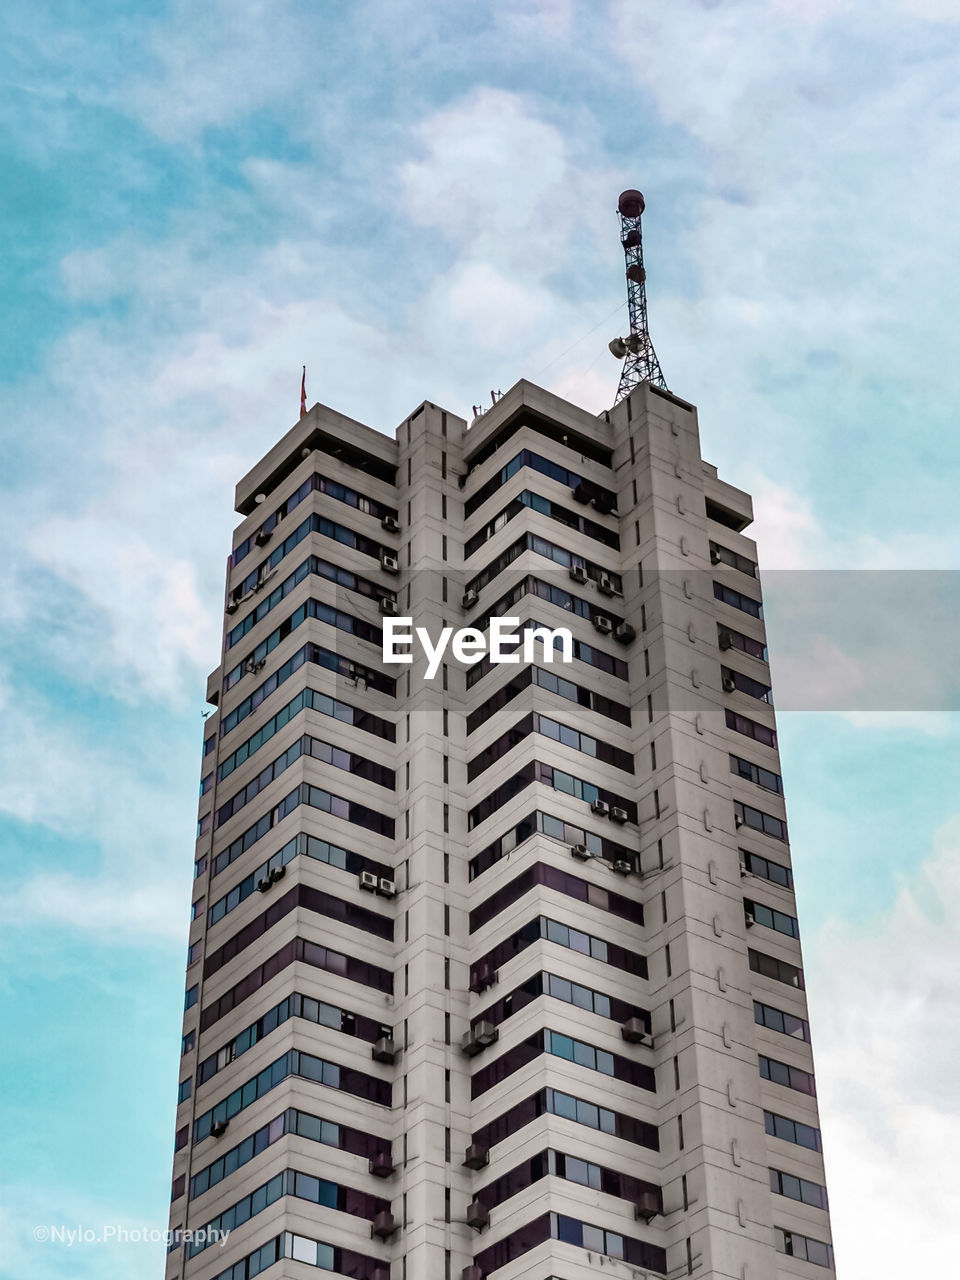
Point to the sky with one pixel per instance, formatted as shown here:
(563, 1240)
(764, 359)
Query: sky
(417, 201)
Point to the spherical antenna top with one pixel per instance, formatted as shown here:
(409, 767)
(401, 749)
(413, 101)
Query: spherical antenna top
(630, 204)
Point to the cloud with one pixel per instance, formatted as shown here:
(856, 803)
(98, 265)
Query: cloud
(216, 64)
(885, 1009)
(112, 811)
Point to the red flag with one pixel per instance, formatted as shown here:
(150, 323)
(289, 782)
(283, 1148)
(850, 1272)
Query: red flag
(303, 392)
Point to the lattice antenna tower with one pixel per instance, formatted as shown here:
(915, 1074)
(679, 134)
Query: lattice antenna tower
(636, 349)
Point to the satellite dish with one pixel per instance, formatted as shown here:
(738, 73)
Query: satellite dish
(636, 273)
(618, 348)
(260, 497)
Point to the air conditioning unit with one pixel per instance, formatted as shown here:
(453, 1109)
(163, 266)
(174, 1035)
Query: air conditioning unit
(578, 573)
(618, 815)
(479, 1037)
(729, 684)
(725, 640)
(623, 866)
(389, 563)
(391, 524)
(483, 977)
(264, 884)
(581, 852)
(277, 873)
(749, 919)
(714, 555)
(647, 1206)
(737, 820)
(263, 537)
(625, 633)
(600, 808)
(602, 623)
(471, 1273)
(369, 881)
(386, 888)
(469, 599)
(605, 585)
(634, 1031)
(233, 606)
(581, 492)
(380, 1273)
(383, 1225)
(218, 1128)
(478, 1215)
(381, 1165)
(252, 666)
(385, 1050)
(476, 1156)
(389, 607)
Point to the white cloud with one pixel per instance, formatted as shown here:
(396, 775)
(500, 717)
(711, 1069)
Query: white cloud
(214, 64)
(155, 622)
(885, 1008)
(91, 787)
(502, 183)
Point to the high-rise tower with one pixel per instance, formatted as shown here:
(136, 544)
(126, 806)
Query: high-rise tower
(495, 975)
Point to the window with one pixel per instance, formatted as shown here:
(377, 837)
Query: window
(794, 1245)
(316, 484)
(314, 653)
(305, 1066)
(542, 547)
(772, 919)
(313, 566)
(767, 870)
(755, 773)
(300, 845)
(787, 1024)
(545, 466)
(750, 728)
(556, 829)
(579, 1110)
(746, 816)
(550, 776)
(291, 1182)
(561, 1046)
(727, 638)
(802, 1135)
(311, 953)
(534, 501)
(553, 729)
(315, 701)
(190, 999)
(553, 683)
(778, 970)
(789, 1077)
(558, 1226)
(562, 882)
(787, 1184)
(737, 600)
(723, 555)
(740, 683)
(293, 1006)
(563, 935)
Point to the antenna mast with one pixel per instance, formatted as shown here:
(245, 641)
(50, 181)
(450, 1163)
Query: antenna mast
(641, 364)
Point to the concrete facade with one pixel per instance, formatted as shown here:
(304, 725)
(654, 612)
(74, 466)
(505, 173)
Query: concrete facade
(697, 860)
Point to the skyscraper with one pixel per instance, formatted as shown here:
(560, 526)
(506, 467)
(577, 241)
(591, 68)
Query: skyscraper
(495, 974)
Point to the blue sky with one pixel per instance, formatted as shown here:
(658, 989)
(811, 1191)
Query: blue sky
(417, 201)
